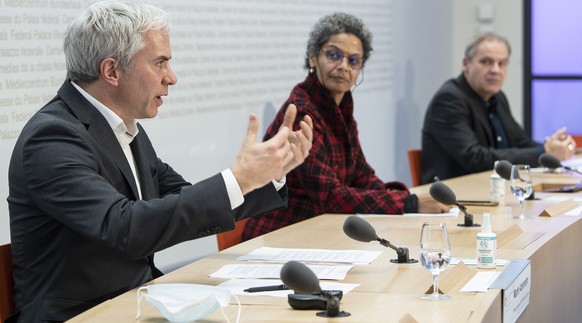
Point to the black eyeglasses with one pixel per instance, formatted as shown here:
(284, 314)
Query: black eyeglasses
(335, 56)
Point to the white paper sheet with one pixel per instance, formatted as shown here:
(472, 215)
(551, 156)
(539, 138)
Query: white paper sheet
(560, 197)
(311, 255)
(480, 282)
(575, 211)
(473, 261)
(574, 163)
(274, 271)
(237, 286)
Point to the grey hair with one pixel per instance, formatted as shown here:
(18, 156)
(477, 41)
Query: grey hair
(109, 29)
(487, 36)
(338, 23)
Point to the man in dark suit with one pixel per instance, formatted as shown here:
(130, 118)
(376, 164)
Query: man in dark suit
(90, 202)
(468, 124)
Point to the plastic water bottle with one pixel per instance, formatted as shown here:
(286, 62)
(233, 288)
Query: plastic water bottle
(497, 187)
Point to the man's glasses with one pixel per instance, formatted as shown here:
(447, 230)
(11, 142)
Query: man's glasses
(334, 56)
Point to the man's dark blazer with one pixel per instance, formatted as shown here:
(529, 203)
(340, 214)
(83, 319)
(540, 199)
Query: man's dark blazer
(457, 138)
(80, 234)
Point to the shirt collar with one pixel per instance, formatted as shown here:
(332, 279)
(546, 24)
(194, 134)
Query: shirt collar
(124, 132)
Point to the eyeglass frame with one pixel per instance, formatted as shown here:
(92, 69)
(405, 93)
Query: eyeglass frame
(342, 55)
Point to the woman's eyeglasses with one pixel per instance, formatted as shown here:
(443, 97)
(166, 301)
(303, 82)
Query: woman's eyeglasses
(335, 56)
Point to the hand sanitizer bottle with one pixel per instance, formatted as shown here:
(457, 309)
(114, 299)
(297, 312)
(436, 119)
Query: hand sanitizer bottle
(497, 187)
(486, 245)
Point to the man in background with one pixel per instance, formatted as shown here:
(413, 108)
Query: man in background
(468, 124)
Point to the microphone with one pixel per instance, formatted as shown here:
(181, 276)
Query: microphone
(503, 168)
(361, 230)
(443, 194)
(301, 279)
(552, 162)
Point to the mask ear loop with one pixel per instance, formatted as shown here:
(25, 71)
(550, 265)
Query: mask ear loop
(237, 313)
(139, 297)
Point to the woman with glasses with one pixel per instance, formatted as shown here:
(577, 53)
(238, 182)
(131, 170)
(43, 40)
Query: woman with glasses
(335, 178)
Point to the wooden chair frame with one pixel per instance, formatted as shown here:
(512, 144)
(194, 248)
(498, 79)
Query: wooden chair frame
(414, 162)
(233, 237)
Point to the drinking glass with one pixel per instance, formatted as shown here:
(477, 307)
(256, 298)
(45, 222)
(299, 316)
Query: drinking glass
(521, 185)
(435, 254)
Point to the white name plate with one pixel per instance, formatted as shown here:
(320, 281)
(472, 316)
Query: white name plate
(515, 281)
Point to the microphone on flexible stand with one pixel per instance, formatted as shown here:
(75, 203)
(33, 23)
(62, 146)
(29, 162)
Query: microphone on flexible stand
(552, 162)
(301, 279)
(361, 230)
(503, 168)
(443, 194)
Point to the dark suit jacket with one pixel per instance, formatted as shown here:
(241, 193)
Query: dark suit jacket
(79, 233)
(457, 138)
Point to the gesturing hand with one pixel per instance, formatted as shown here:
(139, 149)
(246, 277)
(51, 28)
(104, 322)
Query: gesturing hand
(300, 140)
(257, 163)
(426, 204)
(560, 144)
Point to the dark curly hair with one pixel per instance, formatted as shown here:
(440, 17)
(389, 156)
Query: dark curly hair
(338, 23)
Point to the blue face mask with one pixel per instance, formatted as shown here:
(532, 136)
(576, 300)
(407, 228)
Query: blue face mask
(184, 302)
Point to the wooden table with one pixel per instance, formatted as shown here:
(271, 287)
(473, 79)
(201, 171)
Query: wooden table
(390, 292)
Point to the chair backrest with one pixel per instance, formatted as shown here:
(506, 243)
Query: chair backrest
(414, 162)
(6, 282)
(233, 237)
(578, 139)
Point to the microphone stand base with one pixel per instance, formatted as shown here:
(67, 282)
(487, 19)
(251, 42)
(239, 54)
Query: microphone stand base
(409, 261)
(339, 314)
(403, 257)
(332, 308)
(468, 221)
(468, 225)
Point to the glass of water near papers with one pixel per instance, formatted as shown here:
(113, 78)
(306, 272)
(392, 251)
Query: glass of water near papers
(435, 254)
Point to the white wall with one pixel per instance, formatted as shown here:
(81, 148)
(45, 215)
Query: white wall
(423, 43)
(429, 42)
(507, 20)
(418, 45)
